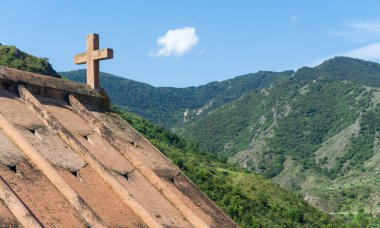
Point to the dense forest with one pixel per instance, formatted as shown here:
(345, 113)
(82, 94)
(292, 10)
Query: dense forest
(166, 106)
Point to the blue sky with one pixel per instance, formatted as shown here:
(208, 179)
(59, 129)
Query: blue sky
(185, 43)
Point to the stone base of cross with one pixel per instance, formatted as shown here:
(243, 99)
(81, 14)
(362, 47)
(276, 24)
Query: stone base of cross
(92, 58)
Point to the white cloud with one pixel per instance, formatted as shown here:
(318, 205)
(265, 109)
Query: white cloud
(176, 42)
(294, 18)
(367, 52)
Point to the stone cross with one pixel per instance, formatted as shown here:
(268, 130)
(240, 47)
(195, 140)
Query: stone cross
(92, 57)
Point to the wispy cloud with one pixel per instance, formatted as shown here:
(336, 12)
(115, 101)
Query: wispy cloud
(294, 18)
(367, 52)
(358, 32)
(368, 26)
(176, 42)
(365, 33)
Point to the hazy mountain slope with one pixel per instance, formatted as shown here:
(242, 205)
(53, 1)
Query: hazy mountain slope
(166, 105)
(10, 56)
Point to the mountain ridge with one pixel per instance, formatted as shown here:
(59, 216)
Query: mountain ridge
(166, 105)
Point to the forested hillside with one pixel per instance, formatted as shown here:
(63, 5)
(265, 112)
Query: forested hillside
(166, 106)
(355, 70)
(316, 133)
(10, 56)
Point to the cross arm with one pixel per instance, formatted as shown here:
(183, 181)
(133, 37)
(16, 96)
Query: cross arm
(105, 53)
(80, 58)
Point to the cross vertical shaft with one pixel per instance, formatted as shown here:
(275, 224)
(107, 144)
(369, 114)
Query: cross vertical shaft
(92, 65)
(92, 58)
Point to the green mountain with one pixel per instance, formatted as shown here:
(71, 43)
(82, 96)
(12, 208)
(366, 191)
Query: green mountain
(10, 56)
(315, 132)
(166, 106)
